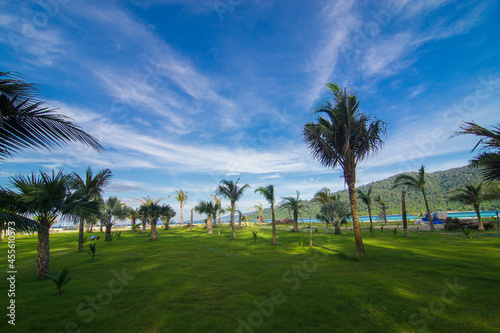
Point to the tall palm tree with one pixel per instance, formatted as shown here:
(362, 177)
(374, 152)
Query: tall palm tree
(113, 209)
(383, 207)
(416, 182)
(293, 205)
(181, 197)
(344, 138)
(324, 197)
(210, 209)
(144, 216)
(268, 194)
(27, 124)
(367, 200)
(133, 215)
(218, 201)
(93, 186)
(474, 196)
(47, 197)
(233, 192)
(156, 211)
(489, 157)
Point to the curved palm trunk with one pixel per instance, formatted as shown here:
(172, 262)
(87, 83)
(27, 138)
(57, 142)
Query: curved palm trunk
(275, 241)
(232, 219)
(80, 236)
(43, 254)
(167, 224)
(154, 233)
(100, 227)
(429, 215)
(385, 215)
(351, 181)
(370, 215)
(108, 233)
(295, 221)
(143, 231)
(210, 229)
(403, 211)
(479, 220)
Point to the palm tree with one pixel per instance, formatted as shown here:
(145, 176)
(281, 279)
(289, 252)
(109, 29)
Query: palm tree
(367, 200)
(218, 201)
(293, 205)
(489, 157)
(133, 215)
(210, 209)
(113, 207)
(418, 183)
(93, 186)
(168, 214)
(143, 214)
(233, 192)
(344, 138)
(156, 212)
(260, 211)
(323, 197)
(474, 196)
(46, 198)
(181, 197)
(383, 207)
(268, 194)
(27, 124)
(336, 212)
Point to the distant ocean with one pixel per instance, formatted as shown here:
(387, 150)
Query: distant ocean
(488, 213)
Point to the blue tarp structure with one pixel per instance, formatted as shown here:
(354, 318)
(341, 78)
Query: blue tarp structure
(434, 220)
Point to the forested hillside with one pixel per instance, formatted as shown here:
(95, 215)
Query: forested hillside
(439, 185)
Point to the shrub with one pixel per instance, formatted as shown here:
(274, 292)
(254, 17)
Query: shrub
(466, 231)
(92, 250)
(452, 224)
(254, 236)
(61, 279)
(301, 241)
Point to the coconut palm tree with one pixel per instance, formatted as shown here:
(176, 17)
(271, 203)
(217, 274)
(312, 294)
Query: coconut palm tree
(218, 201)
(416, 182)
(113, 209)
(233, 192)
(474, 196)
(210, 209)
(383, 207)
(489, 157)
(323, 197)
(93, 186)
(144, 216)
(47, 197)
(181, 197)
(344, 138)
(156, 211)
(367, 200)
(268, 194)
(293, 205)
(260, 210)
(133, 214)
(27, 124)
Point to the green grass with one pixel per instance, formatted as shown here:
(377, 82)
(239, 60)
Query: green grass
(178, 284)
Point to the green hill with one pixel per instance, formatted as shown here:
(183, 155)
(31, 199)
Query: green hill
(439, 185)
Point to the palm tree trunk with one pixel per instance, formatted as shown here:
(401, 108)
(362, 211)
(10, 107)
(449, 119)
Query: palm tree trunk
(239, 221)
(80, 236)
(480, 226)
(154, 233)
(337, 228)
(232, 219)
(310, 232)
(210, 229)
(181, 214)
(351, 181)
(275, 241)
(370, 215)
(108, 233)
(143, 231)
(429, 215)
(403, 210)
(295, 221)
(191, 225)
(385, 215)
(100, 227)
(43, 255)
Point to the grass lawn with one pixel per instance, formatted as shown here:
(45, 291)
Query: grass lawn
(191, 282)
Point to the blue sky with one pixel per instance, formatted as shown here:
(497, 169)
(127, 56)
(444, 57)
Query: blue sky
(185, 93)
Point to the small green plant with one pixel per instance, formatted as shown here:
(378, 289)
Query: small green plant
(92, 250)
(118, 234)
(417, 229)
(371, 229)
(254, 236)
(301, 241)
(467, 231)
(382, 228)
(395, 231)
(61, 279)
(315, 229)
(135, 227)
